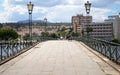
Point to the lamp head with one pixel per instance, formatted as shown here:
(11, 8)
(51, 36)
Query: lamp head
(87, 6)
(30, 6)
(45, 19)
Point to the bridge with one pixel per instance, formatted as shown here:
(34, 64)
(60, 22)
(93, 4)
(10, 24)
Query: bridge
(64, 57)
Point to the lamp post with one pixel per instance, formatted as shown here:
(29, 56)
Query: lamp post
(87, 7)
(45, 20)
(30, 9)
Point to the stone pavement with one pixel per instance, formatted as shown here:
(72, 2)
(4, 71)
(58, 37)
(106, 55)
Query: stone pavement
(60, 57)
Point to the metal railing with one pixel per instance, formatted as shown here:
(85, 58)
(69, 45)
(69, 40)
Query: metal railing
(109, 49)
(10, 49)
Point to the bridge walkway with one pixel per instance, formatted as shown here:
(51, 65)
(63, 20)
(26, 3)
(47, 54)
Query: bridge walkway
(60, 57)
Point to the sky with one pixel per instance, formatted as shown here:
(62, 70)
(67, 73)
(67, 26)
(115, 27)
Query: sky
(56, 10)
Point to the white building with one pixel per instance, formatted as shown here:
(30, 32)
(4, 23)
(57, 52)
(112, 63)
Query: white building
(111, 19)
(116, 28)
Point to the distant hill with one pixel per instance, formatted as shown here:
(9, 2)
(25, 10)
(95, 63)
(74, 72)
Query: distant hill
(27, 21)
(41, 22)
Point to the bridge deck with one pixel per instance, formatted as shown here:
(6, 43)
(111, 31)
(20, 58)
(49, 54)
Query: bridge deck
(57, 58)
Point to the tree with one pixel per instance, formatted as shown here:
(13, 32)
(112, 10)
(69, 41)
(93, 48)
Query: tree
(89, 29)
(26, 37)
(61, 33)
(82, 32)
(8, 34)
(75, 34)
(115, 40)
(53, 35)
(45, 34)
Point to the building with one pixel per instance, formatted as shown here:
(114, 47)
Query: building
(79, 21)
(111, 19)
(115, 20)
(116, 28)
(102, 30)
(106, 30)
(38, 29)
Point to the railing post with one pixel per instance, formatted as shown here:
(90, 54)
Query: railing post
(1, 51)
(110, 52)
(116, 54)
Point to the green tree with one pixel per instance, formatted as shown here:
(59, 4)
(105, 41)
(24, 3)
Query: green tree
(61, 33)
(45, 34)
(53, 35)
(75, 34)
(115, 40)
(89, 29)
(8, 34)
(82, 32)
(26, 37)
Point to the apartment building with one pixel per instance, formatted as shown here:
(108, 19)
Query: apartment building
(79, 21)
(101, 30)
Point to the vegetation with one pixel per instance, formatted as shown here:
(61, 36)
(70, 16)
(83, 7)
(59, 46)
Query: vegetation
(8, 34)
(26, 37)
(89, 29)
(82, 32)
(75, 34)
(45, 34)
(53, 35)
(61, 33)
(115, 40)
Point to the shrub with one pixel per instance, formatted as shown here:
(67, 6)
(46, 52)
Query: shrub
(115, 40)
(8, 34)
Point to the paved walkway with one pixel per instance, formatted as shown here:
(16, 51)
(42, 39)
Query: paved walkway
(54, 58)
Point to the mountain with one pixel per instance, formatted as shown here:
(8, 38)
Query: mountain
(27, 21)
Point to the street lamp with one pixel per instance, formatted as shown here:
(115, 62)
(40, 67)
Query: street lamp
(87, 7)
(45, 20)
(30, 9)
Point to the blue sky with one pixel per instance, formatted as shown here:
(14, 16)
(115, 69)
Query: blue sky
(56, 10)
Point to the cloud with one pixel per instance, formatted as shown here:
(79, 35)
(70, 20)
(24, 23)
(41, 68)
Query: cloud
(4, 17)
(117, 2)
(99, 14)
(62, 13)
(54, 10)
(41, 3)
(72, 2)
(103, 3)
